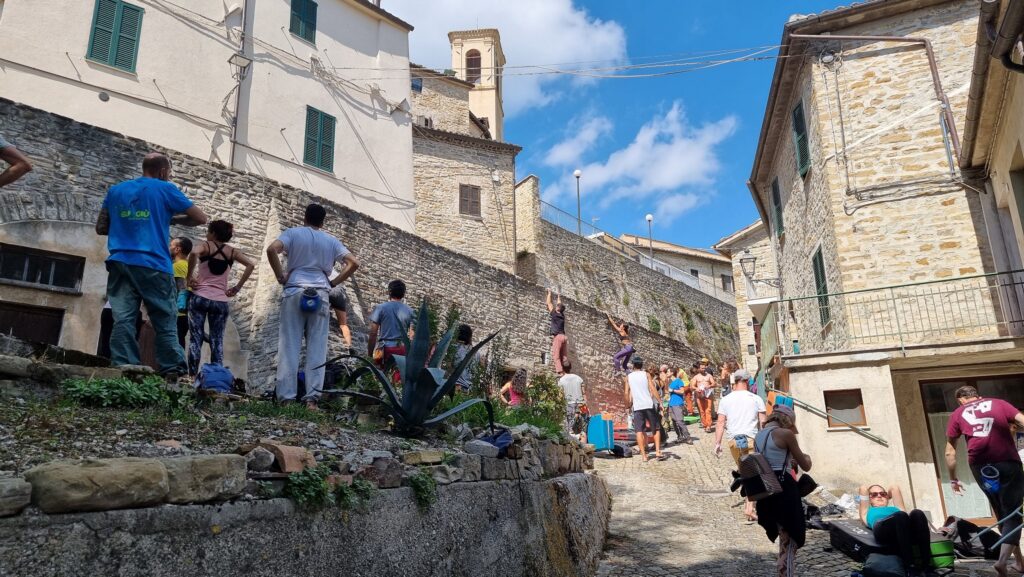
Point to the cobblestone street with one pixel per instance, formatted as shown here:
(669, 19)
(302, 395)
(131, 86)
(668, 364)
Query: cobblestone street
(676, 518)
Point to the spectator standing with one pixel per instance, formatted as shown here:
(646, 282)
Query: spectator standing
(181, 247)
(136, 216)
(18, 164)
(991, 449)
(515, 387)
(641, 395)
(304, 306)
(389, 326)
(782, 515)
(209, 268)
(704, 390)
(463, 344)
(559, 342)
(572, 389)
(739, 417)
(676, 402)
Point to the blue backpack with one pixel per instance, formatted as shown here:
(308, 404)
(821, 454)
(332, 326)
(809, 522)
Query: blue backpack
(215, 378)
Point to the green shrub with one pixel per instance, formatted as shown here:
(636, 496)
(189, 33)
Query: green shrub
(120, 392)
(424, 489)
(654, 324)
(309, 488)
(625, 300)
(355, 496)
(700, 314)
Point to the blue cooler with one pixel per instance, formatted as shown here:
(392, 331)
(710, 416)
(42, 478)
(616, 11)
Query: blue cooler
(599, 432)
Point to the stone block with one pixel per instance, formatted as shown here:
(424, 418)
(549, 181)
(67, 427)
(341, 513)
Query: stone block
(259, 460)
(203, 478)
(445, 474)
(15, 495)
(470, 465)
(493, 469)
(289, 459)
(515, 451)
(424, 457)
(482, 448)
(385, 472)
(98, 484)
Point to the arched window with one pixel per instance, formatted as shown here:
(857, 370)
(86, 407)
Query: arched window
(473, 66)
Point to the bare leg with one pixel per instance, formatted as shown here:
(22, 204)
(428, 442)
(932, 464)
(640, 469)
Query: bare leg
(641, 441)
(1019, 565)
(346, 333)
(657, 443)
(1005, 550)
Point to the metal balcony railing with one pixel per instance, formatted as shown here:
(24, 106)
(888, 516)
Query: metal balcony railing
(961, 310)
(564, 220)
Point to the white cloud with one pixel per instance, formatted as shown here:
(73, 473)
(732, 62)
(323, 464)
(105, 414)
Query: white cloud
(579, 140)
(532, 32)
(667, 160)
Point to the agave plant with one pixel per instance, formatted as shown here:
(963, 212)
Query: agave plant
(424, 383)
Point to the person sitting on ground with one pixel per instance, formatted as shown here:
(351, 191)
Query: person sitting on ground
(209, 267)
(515, 387)
(884, 512)
(559, 342)
(676, 401)
(463, 344)
(621, 358)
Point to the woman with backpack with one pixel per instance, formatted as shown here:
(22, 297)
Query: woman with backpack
(782, 514)
(209, 269)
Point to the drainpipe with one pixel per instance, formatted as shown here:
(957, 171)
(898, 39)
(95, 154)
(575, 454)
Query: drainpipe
(989, 10)
(1009, 31)
(940, 94)
(238, 85)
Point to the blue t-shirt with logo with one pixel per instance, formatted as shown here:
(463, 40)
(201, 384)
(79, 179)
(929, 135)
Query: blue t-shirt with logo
(140, 218)
(676, 388)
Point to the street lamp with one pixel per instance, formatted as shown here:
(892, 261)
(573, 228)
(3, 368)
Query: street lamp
(579, 223)
(650, 237)
(748, 263)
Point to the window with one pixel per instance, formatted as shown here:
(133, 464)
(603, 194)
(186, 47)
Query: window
(303, 21)
(846, 405)
(469, 199)
(694, 273)
(726, 283)
(417, 84)
(821, 287)
(803, 150)
(777, 208)
(31, 323)
(319, 150)
(38, 267)
(114, 39)
(473, 66)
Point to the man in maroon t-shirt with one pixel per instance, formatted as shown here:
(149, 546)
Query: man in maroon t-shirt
(986, 424)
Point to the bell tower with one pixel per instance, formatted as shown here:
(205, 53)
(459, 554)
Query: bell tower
(477, 58)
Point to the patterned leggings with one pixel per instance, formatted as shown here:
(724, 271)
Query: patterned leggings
(200, 312)
(787, 554)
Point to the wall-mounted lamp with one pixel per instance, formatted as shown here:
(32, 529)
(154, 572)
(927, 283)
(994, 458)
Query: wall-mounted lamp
(748, 263)
(751, 350)
(241, 62)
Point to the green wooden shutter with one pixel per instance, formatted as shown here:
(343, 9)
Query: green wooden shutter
(126, 45)
(777, 208)
(295, 24)
(101, 41)
(309, 21)
(327, 123)
(311, 154)
(803, 151)
(821, 287)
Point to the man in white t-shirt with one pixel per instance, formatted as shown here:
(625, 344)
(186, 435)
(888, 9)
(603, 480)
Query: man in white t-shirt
(740, 415)
(311, 256)
(643, 398)
(572, 389)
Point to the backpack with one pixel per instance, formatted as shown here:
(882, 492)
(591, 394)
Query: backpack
(967, 542)
(879, 565)
(215, 378)
(756, 474)
(502, 439)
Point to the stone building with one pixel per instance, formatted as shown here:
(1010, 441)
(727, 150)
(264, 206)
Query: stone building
(464, 175)
(750, 252)
(304, 92)
(706, 267)
(892, 264)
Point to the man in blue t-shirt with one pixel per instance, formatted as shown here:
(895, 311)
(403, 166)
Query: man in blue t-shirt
(389, 325)
(135, 217)
(676, 402)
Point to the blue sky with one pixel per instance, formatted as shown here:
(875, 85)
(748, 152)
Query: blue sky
(678, 146)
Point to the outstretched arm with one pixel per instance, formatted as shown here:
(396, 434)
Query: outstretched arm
(551, 305)
(19, 165)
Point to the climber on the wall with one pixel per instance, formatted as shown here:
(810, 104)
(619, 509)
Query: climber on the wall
(559, 344)
(621, 358)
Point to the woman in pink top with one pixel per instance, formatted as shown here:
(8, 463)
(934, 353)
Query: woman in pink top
(209, 268)
(516, 389)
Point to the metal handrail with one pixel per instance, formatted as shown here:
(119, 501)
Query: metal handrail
(827, 415)
(905, 285)
(704, 286)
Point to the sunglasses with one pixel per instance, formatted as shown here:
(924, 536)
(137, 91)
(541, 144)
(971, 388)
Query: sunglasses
(874, 494)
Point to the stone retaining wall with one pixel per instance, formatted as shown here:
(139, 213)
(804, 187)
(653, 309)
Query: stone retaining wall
(486, 529)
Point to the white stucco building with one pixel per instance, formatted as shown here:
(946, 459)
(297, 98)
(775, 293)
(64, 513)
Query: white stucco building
(315, 94)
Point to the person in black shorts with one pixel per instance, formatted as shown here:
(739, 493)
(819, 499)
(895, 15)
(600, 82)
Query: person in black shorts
(643, 397)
